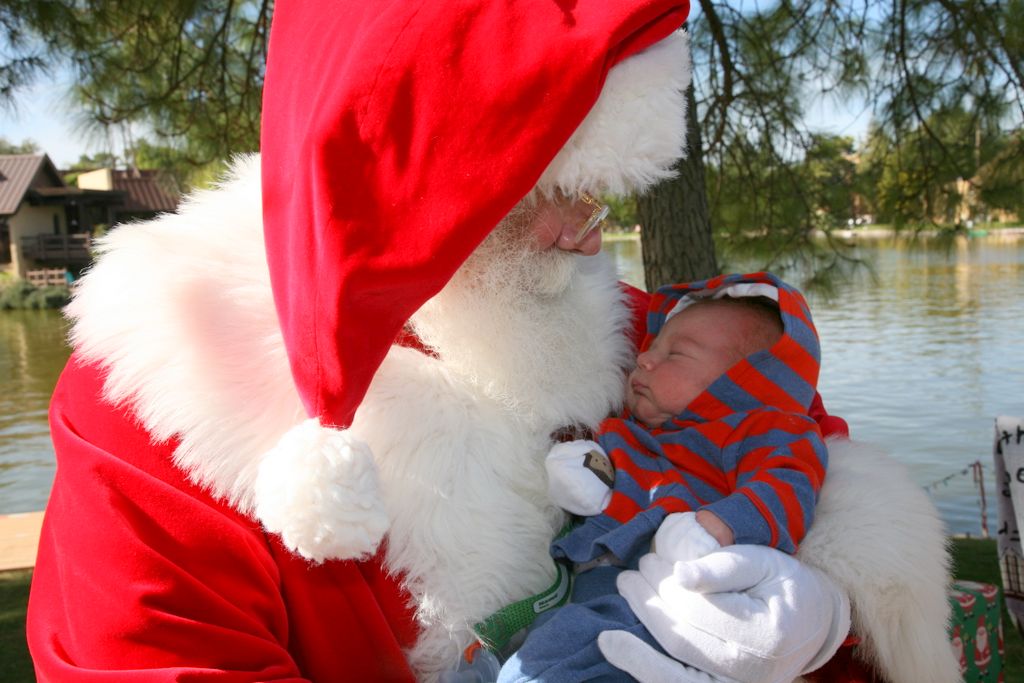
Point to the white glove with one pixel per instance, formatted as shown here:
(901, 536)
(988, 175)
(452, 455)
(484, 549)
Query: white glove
(580, 477)
(681, 538)
(745, 612)
(625, 651)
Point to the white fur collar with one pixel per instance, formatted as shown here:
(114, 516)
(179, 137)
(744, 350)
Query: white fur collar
(179, 312)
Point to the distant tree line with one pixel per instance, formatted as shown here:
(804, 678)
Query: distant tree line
(971, 172)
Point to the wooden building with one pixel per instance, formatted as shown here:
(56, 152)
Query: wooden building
(47, 224)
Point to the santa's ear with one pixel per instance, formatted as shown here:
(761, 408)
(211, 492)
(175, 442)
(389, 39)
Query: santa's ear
(318, 489)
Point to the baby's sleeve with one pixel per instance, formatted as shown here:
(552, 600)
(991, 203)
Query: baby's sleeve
(777, 461)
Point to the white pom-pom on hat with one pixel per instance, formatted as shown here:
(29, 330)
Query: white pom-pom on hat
(318, 489)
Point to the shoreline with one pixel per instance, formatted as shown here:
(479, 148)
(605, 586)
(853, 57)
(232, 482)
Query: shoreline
(873, 232)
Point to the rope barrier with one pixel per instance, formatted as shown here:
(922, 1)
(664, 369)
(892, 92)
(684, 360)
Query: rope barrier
(976, 470)
(949, 477)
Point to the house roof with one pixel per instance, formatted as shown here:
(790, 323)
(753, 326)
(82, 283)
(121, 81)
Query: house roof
(21, 172)
(143, 190)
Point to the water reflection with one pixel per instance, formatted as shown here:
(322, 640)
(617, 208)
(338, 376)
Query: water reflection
(628, 259)
(32, 353)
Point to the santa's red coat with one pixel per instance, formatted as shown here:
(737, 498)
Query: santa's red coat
(143, 576)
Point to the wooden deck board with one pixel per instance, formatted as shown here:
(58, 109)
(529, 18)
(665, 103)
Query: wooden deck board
(19, 538)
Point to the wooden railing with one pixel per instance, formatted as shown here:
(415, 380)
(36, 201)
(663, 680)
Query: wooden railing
(47, 277)
(57, 248)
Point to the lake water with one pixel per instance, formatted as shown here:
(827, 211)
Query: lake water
(920, 360)
(32, 354)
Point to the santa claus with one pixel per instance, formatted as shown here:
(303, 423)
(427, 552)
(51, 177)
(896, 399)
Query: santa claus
(303, 430)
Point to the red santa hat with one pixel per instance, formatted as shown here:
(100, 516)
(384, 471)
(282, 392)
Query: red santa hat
(396, 136)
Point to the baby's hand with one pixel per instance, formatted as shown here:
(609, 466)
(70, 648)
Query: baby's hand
(681, 538)
(580, 477)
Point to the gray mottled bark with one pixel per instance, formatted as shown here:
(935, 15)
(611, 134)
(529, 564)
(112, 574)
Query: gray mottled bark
(676, 237)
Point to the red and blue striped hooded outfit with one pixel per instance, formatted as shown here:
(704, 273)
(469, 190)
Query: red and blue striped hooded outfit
(745, 448)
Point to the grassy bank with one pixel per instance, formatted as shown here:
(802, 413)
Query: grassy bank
(15, 666)
(20, 295)
(974, 559)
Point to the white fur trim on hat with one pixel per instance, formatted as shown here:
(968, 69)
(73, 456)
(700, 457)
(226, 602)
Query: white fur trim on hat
(636, 130)
(318, 489)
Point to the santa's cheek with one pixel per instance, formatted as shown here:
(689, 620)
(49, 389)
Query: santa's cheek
(543, 237)
(545, 229)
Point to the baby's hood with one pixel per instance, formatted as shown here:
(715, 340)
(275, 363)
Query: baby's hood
(784, 376)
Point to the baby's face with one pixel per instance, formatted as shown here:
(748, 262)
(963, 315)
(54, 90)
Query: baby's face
(694, 348)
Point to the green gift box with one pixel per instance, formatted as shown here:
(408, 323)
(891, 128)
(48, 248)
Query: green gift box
(977, 630)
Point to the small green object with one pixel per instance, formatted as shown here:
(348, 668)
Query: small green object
(496, 632)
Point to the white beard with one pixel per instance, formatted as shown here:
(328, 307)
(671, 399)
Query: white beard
(541, 333)
(525, 344)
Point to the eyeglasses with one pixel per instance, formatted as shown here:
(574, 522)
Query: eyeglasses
(597, 216)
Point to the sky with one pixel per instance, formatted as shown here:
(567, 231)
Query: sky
(43, 114)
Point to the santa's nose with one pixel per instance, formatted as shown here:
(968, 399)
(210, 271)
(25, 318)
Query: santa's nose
(590, 244)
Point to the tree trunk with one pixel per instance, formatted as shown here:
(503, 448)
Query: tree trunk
(676, 238)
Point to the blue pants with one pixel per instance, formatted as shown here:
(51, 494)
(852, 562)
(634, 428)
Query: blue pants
(562, 645)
